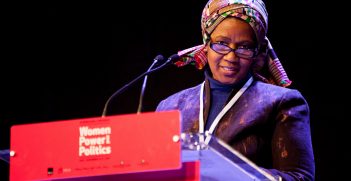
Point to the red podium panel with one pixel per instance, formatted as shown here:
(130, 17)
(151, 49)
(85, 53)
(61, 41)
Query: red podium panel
(89, 147)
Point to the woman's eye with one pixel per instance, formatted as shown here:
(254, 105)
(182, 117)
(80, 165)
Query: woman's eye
(222, 43)
(245, 47)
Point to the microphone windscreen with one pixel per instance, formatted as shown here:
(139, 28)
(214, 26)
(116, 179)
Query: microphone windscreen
(159, 58)
(173, 57)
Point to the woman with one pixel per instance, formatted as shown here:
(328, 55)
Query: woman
(244, 100)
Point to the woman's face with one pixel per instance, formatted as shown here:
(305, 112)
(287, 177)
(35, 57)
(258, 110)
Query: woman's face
(230, 68)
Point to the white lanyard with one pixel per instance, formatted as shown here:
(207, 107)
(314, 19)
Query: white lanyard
(223, 111)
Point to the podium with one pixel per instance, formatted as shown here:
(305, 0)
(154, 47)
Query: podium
(146, 146)
(218, 161)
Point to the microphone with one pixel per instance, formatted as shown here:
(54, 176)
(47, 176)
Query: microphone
(119, 91)
(169, 61)
(157, 59)
(172, 58)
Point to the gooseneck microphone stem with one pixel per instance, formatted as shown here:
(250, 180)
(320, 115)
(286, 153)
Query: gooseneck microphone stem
(121, 90)
(141, 97)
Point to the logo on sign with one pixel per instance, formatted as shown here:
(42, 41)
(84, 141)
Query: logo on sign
(94, 141)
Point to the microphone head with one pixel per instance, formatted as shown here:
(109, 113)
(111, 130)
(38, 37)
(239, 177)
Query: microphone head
(159, 57)
(173, 57)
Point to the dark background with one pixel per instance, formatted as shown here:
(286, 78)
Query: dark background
(63, 61)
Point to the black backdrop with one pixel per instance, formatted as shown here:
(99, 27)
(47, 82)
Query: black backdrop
(62, 61)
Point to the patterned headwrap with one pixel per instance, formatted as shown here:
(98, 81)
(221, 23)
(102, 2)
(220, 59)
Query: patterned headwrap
(267, 66)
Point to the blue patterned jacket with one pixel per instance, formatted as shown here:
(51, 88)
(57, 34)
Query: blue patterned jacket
(268, 124)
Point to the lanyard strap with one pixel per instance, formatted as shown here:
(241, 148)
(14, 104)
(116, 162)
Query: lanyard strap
(223, 111)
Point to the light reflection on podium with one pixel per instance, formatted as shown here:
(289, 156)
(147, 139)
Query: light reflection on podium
(218, 161)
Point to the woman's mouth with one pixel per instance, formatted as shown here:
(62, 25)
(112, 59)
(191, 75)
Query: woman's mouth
(229, 69)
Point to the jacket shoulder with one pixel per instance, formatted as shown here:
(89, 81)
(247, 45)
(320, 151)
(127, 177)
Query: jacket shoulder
(175, 100)
(274, 90)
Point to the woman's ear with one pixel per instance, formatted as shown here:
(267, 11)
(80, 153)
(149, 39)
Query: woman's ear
(207, 46)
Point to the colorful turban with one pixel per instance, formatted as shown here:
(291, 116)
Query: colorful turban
(267, 67)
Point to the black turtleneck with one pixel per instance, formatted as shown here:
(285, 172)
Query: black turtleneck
(219, 95)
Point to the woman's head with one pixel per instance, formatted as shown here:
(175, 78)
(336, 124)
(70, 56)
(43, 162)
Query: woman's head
(232, 33)
(265, 66)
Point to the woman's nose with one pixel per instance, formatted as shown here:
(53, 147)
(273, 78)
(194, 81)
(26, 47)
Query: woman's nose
(231, 57)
